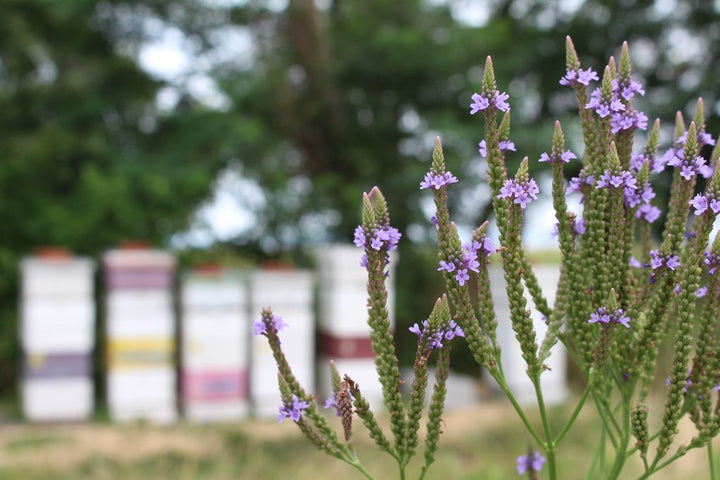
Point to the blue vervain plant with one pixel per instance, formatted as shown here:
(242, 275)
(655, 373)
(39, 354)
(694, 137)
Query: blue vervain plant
(617, 295)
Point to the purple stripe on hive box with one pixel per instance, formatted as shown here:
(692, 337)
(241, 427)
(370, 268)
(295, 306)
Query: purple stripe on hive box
(56, 365)
(139, 278)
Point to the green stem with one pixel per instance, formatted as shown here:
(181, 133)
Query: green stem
(355, 462)
(550, 445)
(575, 413)
(402, 471)
(593, 465)
(601, 453)
(503, 385)
(624, 440)
(711, 461)
(604, 417)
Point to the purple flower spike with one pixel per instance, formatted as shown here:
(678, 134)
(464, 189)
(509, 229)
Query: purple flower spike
(277, 324)
(564, 157)
(520, 193)
(601, 315)
(435, 338)
(482, 102)
(292, 410)
(532, 462)
(505, 146)
(437, 181)
(579, 76)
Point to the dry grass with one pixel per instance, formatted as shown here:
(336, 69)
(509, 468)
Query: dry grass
(480, 442)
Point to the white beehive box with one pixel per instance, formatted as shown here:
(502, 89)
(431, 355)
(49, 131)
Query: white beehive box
(140, 327)
(553, 381)
(342, 319)
(289, 293)
(57, 331)
(215, 345)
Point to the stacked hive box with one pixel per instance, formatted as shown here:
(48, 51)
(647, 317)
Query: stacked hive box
(553, 380)
(289, 293)
(342, 320)
(215, 330)
(57, 337)
(140, 324)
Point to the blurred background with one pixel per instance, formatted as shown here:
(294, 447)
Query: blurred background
(245, 131)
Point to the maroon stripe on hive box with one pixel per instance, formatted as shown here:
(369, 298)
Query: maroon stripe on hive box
(214, 385)
(139, 278)
(58, 365)
(345, 347)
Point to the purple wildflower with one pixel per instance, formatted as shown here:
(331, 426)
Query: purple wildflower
(520, 193)
(467, 260)
(505, 146)
(656, 164)
(462, 276)
(658, 260)
(648, 212)
(292, 410)
(483, 101)
(564, 157)
(712, 260)
(437, 181)
(532, 462)
(479, 104)
(579, 76)
(577, 224)
(435, 338)
(601, 315)
(703, 203)
(380, 237)
(700, 204)
(331, 402)
(701, 292)
(689, 167)
(276, 323)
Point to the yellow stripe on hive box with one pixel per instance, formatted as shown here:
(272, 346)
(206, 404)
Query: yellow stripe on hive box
(139, 353)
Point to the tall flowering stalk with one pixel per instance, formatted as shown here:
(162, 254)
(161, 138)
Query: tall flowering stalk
(619, 295)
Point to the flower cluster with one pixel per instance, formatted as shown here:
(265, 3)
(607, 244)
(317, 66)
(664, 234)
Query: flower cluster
(520, 193)
(482, 101)
(292, 410)
(622, 115)
(616, 180)
(436, 337)
(532, 462)
(701, 204)
(468, 260)
(712, 260)
(655, 163)
(658, 260)
(276, 324)
(505, 146)
(386, 237)
(583, 178)
(579, 77)
(601, 315)
(640, 198)
(564, 157)
(435, 182)
(689, 167)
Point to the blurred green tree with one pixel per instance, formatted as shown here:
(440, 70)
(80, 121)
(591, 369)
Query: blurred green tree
(87, 156)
